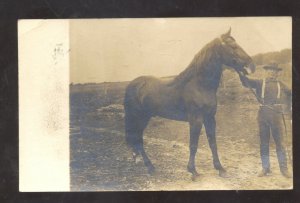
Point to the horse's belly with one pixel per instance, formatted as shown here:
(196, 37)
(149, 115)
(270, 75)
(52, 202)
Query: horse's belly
(177, 117)
(172, 112)
(161, 100)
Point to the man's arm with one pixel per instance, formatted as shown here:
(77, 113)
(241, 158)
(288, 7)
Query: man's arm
(250, 83)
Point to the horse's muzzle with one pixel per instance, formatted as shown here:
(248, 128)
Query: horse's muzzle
(250, 68)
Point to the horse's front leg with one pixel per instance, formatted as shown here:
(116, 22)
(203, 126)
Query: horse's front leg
(210, 127)
(196, 123)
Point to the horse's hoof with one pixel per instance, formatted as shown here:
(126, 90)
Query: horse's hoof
(191, 169)
(195, 176)
(223, 173)
(194, 173)
(136, 158)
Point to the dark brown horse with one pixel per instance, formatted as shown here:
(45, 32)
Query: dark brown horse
(191, 97)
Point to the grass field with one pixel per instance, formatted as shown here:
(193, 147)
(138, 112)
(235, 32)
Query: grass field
(100, 159)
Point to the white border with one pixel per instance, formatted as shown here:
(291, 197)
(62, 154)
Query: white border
(44, 105)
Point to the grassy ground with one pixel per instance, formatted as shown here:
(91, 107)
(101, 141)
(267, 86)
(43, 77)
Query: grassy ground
(100, 159)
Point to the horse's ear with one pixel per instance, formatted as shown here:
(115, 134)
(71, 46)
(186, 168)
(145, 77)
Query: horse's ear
(227, 34)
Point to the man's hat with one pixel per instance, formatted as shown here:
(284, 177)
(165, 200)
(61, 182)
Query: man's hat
(272, 67)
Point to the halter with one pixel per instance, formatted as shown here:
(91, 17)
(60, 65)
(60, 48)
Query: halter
(221, 40)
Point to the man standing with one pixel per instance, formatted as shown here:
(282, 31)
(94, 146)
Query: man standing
(272, 96)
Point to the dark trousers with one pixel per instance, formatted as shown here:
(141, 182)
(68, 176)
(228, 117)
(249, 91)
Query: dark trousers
(270, 122)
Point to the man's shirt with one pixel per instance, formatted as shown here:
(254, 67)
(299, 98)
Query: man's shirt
(269, 92)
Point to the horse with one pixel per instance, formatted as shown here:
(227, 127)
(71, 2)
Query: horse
(189, 96)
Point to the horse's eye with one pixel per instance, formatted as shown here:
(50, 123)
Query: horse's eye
(234, 46)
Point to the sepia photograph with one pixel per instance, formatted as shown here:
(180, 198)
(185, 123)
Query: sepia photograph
(157, 104)
(180, 104)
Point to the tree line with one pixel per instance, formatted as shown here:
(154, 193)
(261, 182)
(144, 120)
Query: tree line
(280, 57)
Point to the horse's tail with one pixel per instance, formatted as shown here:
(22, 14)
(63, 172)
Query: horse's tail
(135, 118)
(129, 102)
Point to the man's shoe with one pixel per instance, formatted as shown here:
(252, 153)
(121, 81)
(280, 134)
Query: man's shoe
(286, 173)
(264, 172)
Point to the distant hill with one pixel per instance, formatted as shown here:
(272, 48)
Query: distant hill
(281, 57)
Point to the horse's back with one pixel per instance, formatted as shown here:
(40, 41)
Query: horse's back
(139, 88)
(155, 95)
(143, 80)
(144, 83)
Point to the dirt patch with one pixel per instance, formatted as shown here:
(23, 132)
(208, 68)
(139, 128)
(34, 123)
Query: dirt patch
(100, 159)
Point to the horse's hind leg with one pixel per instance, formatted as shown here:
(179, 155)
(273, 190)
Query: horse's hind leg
(147, 162)
(134, 134)
(210, 127)
(143, 122)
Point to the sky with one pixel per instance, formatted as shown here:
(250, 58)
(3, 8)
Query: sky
(110, 50)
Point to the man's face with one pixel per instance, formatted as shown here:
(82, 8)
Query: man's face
(272, 74)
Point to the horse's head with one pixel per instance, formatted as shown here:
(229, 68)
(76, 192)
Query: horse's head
(234, 56)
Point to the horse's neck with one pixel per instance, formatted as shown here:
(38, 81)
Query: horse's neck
(209, 78)
(205, 68)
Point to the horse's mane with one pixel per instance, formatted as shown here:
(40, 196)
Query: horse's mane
(199, 61)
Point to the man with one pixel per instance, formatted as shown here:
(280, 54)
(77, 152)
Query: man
(272, 96)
